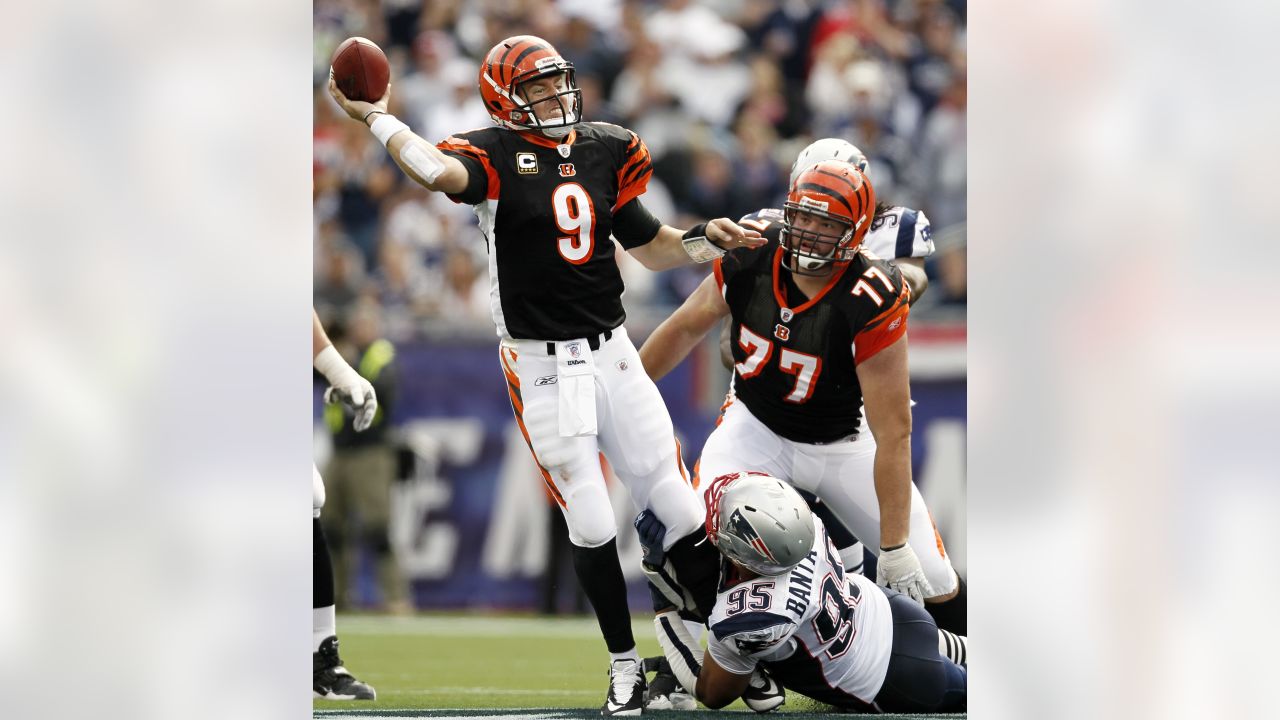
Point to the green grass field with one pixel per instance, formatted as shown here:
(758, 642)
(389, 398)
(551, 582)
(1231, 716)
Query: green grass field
(490, 666)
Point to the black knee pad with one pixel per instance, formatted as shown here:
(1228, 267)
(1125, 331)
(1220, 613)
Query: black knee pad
(953, 614)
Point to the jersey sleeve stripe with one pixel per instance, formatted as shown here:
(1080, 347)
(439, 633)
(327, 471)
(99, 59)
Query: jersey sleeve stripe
(462, 149)
(634, 174)
(906, 234)
(879, 335)
(748, 622)
(636, 164)
(634, 188)
(717, 268)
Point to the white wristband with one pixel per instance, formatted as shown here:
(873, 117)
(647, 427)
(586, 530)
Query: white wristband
(701, 249)
(332, 365)
(385, 126)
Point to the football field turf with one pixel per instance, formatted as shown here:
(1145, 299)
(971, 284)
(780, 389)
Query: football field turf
(491, 666)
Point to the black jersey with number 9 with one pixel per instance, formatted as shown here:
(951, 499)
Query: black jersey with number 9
(546, 210)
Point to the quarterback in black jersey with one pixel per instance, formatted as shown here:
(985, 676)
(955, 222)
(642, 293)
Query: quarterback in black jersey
(818, 328)
(549, 191)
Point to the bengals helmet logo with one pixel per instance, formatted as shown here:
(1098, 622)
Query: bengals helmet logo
(566, 170)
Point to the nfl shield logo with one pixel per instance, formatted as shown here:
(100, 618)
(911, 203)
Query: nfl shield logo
(574, 349)
(787, 314)
(563, 150)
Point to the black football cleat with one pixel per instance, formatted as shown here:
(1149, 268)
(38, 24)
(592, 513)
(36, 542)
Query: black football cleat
(331, 681)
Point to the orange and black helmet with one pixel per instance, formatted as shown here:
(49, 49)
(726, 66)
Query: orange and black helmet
(834, 193)
(518, 60)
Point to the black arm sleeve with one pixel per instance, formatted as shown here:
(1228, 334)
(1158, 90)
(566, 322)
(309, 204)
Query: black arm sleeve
(634, 225)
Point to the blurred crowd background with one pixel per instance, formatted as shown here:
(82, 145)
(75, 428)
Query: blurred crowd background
(724, 92)
(429, 507)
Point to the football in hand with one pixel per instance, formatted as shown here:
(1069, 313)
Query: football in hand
(361, 70)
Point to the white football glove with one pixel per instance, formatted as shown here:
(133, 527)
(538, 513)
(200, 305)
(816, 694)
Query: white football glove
(347, 387)
(900, 570)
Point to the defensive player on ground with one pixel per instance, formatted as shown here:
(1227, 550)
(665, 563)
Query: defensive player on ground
(819, 329)
(330, 680)
(898, 234)
(785, 602)
(549, 190)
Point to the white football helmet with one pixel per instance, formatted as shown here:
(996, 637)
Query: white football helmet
(827, 149)
(759, 522)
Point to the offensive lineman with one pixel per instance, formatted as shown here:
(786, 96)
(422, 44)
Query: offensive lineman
(819, 328)
(898, 234)
(784, 601)
(549, 190)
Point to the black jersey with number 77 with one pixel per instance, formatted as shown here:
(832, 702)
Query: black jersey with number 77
(796, 357)
(546, 210)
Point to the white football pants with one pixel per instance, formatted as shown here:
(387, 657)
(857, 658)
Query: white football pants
(317, 491)
(840, 474)
(634, 432)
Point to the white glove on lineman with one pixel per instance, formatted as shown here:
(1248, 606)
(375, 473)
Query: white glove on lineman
(900, 570)
(347, 387)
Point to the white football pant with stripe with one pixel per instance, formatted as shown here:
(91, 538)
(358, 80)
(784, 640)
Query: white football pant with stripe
(634, 432)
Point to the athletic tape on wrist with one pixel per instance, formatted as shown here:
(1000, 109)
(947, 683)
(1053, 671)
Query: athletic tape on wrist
(701, 249)
(330, 363)
(386, 126)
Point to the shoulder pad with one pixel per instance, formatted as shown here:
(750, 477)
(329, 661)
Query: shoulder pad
(899, 232)
(480, 137)
(606, 130)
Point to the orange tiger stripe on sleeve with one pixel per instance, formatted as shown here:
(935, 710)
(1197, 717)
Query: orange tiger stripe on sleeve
(884, 329)
(460, 146)
(633, 176)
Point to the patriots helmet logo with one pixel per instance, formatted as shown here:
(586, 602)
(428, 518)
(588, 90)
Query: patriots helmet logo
(741, 527)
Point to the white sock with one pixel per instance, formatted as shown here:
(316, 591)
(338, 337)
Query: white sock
(324, 624)
(628, 655)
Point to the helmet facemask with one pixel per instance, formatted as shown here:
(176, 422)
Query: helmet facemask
(569, 101)
(810, 251)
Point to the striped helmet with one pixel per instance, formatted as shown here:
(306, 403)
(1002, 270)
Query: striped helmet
(759, 522)
(515, 61)
(826, 216)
